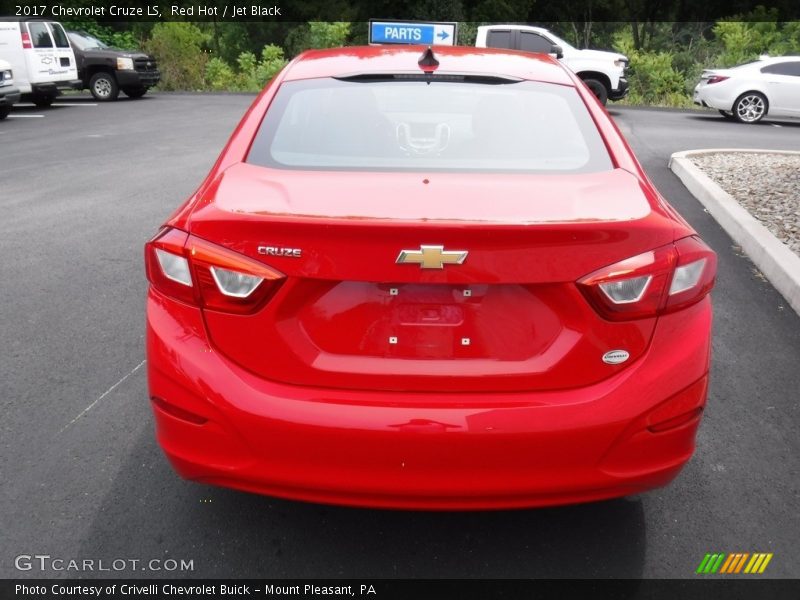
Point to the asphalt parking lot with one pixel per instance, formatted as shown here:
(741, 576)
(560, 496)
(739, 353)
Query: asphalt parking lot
(84, 185)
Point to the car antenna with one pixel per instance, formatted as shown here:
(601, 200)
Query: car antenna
(428, 62)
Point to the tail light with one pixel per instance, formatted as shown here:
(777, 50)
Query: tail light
(656, 282)
(716, 79)
(26, 39)
(198, 272)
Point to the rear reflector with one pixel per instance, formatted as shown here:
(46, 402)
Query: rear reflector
(178, 413)
(674, 422)
(681, 408)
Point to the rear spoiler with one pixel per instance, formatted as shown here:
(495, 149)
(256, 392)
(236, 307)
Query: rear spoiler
(430, 76)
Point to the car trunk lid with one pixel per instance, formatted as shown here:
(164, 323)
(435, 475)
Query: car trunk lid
(508, 317)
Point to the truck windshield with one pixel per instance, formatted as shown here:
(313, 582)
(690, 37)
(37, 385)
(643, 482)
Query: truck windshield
(84, 41)
(438, 125)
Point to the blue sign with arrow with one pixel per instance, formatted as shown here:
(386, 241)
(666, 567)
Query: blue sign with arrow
(412, 32)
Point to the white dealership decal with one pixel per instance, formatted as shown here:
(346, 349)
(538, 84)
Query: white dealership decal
(46, 563)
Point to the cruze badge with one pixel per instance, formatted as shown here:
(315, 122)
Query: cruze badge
(432, 257)
(280, 251)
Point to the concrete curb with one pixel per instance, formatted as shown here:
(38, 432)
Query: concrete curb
(779, 265)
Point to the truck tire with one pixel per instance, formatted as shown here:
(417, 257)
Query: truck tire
(135, 92)
(104, 87)
(4, 112)
(598, 89)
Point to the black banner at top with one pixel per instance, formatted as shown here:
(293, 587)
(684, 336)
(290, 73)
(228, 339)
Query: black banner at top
(523, 11)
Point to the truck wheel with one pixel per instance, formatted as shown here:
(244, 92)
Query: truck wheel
(598, 89)
(4, 112)
(135, 92)
(42, 101)
(104, 87)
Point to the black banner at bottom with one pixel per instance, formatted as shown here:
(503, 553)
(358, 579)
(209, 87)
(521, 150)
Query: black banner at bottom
(395, 589)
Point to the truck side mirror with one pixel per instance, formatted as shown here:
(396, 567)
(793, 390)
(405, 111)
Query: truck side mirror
(557, 50)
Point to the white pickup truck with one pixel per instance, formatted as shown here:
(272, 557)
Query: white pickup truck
(602, 72)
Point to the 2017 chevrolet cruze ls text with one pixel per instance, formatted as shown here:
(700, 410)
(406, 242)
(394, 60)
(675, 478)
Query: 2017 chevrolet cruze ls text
(434, 280)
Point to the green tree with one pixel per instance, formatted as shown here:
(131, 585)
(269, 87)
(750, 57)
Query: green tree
(744, 38)
(318, 34)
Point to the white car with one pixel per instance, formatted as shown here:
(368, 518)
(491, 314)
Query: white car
(602, 72)
(9, 94)
(749, 92)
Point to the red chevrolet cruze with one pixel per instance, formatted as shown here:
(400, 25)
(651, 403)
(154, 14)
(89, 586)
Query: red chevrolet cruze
(433, 280)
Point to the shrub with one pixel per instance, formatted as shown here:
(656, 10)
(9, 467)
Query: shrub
(652, 77)
(272, 61)
(254, 74)
(178, 48)
(251, 73)
(219, 76)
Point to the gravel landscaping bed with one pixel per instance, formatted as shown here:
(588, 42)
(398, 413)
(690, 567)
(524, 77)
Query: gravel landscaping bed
(767, 185)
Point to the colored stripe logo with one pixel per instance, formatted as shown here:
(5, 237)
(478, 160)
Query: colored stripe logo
(735, 563)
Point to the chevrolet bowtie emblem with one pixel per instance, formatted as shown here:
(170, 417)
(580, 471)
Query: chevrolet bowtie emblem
(432, 257)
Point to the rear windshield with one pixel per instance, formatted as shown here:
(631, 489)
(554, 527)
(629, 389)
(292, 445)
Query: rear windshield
(398, 125)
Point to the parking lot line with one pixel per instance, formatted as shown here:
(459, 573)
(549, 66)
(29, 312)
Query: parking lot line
(74, 104)
(25, 116)
(103, 395)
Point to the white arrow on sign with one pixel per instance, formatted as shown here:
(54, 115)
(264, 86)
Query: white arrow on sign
(443, 35)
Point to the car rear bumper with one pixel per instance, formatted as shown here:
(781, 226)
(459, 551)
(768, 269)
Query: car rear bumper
(712, 98)
(220, 424)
